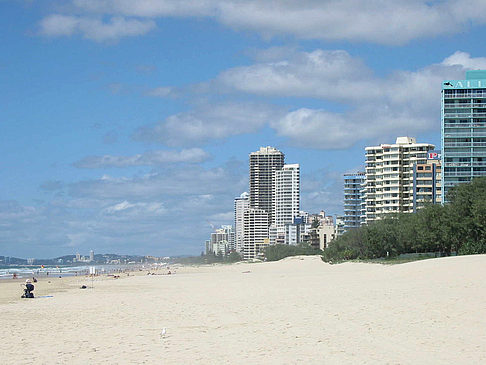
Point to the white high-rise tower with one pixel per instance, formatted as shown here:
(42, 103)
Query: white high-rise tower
(241, 204)
(263, 164)
(286, 196)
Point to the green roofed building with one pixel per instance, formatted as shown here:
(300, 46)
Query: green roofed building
(463, 129)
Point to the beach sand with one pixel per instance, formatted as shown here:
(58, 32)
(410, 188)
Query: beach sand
(295, 311)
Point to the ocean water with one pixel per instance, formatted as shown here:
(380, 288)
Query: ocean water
(56, 271)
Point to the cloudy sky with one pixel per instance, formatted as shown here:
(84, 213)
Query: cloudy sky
(125, 126)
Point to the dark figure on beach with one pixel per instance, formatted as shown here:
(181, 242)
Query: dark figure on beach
(29, 288)
(34, 279)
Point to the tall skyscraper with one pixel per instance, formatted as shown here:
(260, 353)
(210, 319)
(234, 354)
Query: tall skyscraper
(353, 199)
(286, 198)
(389, 176)
(463, 129)
(263, 164)
(241, 204)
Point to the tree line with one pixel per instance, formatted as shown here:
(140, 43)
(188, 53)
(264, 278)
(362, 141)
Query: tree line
(457, 227)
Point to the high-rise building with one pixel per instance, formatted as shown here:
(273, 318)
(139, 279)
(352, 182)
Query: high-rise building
(228, 229)
(255, 232)
(389, 176)
(263, 164)
(222, 241)
(463, 129)
(286, 198)
(353, 199)
(241, 204)
(91, 255)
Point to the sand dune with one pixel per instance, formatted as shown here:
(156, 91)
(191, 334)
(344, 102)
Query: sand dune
(295, 311)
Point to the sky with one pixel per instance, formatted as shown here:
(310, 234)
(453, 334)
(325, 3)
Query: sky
(125, 126)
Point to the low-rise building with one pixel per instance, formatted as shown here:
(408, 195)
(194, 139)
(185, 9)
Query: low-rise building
(427, 181)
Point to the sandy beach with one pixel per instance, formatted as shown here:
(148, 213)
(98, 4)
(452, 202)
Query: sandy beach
(295, 311)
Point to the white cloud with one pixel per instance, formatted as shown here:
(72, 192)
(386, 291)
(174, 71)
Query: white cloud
(386, 22)
(404, 102)
(172, 181)
(135, 209)
(208, 122)
(162, 213)
(373, 108)
(465, 61)
(316, 129)
(58, 25)
(162, 92)
(191, 155)
(222, 218)
(322, 74)
(150, 8)
(322, 189)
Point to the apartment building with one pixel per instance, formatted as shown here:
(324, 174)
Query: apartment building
(353, 197)
(463, 129)
(389, 176)
(241, 204)
(427, 181)
(255, 233)
(263, 164)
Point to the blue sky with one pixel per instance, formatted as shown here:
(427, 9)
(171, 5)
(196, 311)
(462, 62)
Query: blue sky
(125, 126)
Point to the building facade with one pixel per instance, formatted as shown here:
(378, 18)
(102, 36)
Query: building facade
(263, 164)
(340, 225)
(255, 233)
(241, 204)
(219, 242)
(222, 241)
(463, 130)
(352, 199)
(286, 196)
(427, 181)
(326, 232)
(389, 176)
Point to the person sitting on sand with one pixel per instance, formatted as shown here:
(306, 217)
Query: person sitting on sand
(29, 288)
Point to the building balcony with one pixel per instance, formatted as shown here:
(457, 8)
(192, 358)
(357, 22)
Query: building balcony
(464, 144)
(459, 173)
(469, 105)
(464, 135)
(463, 125)
(464, 115)
(478, 93)
(463, 154)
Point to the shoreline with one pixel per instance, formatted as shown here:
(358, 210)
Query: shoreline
(48, 285)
